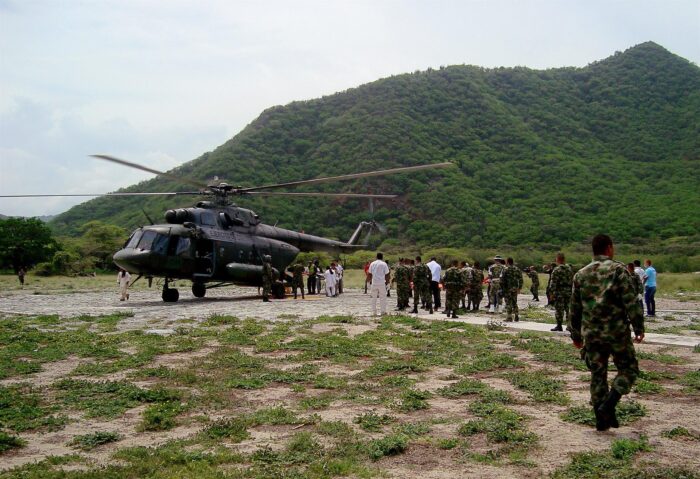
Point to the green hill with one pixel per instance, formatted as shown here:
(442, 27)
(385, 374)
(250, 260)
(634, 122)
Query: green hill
(542, 156)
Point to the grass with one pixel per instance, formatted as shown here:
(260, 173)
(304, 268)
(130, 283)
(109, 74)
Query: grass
(539, 386)
(681, 433)
(384, 367)
(8, 442)
(373, 422)
(88, 442)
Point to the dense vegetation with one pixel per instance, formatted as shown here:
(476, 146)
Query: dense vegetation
(541, 157)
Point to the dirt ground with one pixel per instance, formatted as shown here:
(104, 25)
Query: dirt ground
(557, 439)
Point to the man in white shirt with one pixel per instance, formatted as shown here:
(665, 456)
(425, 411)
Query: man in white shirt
(330, 282)
(379, 278)
(435, 272)
(639, 271)
(123, 279)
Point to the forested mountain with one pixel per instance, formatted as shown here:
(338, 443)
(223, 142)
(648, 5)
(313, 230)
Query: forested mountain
(541, 156)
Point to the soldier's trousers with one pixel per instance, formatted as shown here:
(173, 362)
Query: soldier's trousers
(561, 309)
(267, 288)
(511, 299)
(403, 294)
(535, 290)
(298, 283)
(475, 296)
(452, 298)
(495, 293)
(421, 293)
(597, 355)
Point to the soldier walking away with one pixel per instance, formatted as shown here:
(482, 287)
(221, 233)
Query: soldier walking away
(379, 277)
(495, 272)
(311, 280)
(512, 283)
(339, 271)
(466, 273)
(421, 286)
(454, 285)
(298, 279)
(560, 289)
(123, 278)
(603, 305)
(535, 279)
(267, 278)
(476, 291)
(21, 273)
(403, 285)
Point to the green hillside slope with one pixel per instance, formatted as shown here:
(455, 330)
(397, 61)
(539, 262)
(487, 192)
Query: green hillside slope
(541, 156)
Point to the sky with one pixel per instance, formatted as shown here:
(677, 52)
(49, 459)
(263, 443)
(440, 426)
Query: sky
(161, 82)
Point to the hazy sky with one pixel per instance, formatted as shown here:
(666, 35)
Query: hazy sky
(160, 82)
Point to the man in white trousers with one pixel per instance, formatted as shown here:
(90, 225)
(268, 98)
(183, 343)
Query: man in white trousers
(329, 278)
(123, 279)
(379, 279)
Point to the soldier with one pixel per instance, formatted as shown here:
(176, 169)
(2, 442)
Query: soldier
(476, 292)
(297, 279)
(311, 280)
(548, 268)
(402, 275)
(535, 287)
(495, 272)
(466, 273)
(512, 283)
(267, 278)
(421, 286)
(603, 305)
(454, 285)
(560, 289)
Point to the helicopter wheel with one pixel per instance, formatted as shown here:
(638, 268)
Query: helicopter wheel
(199, 290)
(170, 295)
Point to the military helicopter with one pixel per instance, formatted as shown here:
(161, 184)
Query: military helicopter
(216, 243)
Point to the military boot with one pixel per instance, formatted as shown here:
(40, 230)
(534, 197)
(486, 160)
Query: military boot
(266, 299)
(517, 318)
(454, 315)
(606, 410)
(558, 327)
(431, 310)
(415, 309)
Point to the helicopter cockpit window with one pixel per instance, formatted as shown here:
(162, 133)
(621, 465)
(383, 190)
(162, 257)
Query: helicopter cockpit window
(207, 218)
(147, 240)
(225, 219)
(134, 240)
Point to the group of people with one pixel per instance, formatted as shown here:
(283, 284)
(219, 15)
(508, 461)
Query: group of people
(317, 280)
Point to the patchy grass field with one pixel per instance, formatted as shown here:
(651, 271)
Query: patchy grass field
(336, 396)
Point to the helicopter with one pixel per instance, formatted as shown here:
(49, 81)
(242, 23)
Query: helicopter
(217, 243)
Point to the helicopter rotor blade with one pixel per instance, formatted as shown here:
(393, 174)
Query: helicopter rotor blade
(332, 195)
(196, 184)
(170, 193)
(353, 176)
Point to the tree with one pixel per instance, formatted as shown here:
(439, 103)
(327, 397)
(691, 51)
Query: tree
(100, 241)
(25, 242)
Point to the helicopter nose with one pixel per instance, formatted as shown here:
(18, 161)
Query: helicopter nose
(132, 260)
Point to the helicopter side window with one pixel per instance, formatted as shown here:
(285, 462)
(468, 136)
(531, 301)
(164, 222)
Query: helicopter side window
(134, 240)
(147, 240)
(207, 218)
(183, 246)
(160, 244)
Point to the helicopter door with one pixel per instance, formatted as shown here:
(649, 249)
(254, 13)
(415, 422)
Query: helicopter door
(204, 258)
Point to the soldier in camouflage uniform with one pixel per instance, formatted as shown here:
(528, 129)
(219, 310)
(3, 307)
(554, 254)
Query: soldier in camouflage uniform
(454, 285)
(603, 305)
(402, 275)
(298, 279)
(548, 268)
(535, 287)
(560, 289)
(466, 273)
(421, 286)
(267, 278)
(476, 291)
(495, 294)
(512, 283)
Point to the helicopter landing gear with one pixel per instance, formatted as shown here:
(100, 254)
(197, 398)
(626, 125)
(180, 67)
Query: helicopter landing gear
(199, 290)
(170, 295)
